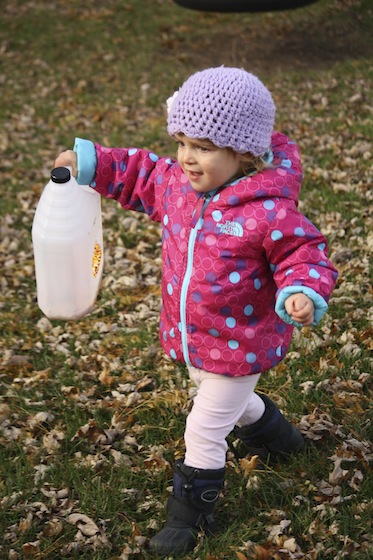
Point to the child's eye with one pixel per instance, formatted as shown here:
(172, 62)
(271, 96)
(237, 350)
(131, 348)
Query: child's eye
(203, 149)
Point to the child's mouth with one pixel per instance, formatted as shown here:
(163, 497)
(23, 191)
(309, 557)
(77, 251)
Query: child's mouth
(194, 175)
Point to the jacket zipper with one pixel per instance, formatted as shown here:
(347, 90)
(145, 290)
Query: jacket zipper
(197, 222)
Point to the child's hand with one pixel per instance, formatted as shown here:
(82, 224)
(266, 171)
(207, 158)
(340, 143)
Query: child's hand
(300, 308)
(68, 159)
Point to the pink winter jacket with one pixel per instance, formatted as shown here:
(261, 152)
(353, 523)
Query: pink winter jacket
(230, 258)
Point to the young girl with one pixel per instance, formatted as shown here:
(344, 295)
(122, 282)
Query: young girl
(241, 267)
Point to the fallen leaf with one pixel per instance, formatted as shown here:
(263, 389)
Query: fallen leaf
(338, 474)
(249, 465)
(31, 549)
(84, 523)
(53, 527)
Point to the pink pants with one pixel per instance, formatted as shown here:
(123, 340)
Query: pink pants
(220, 404)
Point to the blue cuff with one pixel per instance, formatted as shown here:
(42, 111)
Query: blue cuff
(87, 161)
(318, 301)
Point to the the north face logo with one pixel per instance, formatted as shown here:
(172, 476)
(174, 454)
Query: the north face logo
(231, 228)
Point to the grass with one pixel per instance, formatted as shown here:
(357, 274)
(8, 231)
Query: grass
(92, 413)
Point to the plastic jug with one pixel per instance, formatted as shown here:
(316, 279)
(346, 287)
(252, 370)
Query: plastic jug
(68, 247)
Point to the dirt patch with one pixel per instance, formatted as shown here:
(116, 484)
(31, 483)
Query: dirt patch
(279, 42)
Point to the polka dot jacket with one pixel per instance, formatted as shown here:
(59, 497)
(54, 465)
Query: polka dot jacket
(230, 257)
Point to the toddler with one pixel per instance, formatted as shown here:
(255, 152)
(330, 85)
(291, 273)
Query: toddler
(241, 267)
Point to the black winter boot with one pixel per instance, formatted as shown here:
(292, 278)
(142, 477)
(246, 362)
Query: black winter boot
(190, 508)
(272, 437)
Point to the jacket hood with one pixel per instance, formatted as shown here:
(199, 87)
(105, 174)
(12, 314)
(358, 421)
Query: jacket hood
(282, 179)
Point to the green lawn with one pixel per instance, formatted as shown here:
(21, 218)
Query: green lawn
(92, 413)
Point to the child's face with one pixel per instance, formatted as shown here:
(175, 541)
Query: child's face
(206, 166)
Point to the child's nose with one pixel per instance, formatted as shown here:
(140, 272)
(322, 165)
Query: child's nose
(189, 156)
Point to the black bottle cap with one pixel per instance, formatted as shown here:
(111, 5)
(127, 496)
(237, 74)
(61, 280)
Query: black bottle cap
(60, 175)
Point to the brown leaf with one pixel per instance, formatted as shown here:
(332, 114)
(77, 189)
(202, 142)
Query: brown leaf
(86, 525)
(25, 523)
(106, 378)
(53, 527)
(338, 474)
(90, 431)
(31, 549)
(257, 552)
(249, 465)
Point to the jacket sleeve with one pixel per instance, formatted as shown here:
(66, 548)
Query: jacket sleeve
(297, 253)
(132, 176)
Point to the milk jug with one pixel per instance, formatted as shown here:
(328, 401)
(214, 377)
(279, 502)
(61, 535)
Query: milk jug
(68, 247)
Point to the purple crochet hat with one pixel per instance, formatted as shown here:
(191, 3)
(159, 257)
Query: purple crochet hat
(228, 106)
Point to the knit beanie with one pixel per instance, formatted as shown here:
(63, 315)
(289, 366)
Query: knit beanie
(228, 106)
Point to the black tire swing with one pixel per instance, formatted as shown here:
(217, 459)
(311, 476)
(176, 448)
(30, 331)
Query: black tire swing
(243, 5)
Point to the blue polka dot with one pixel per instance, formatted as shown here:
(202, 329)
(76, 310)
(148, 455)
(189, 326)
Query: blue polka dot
(164, 335)
(323, 263)
(169, 289)
(286, 163)
(211, 277)
(241, 264)
(281, 328)
(233, 200)
(251, 358)
(299, 232)
(230, 322)
(216, 289)
(233, 344)
(276, 235)
(165, 220)
(173, 353)
(214, 332)
(169, 161)
(122, 166)
(176, 228)
(248, 310)
(197, 297)
(321, 246)
(153, 157)
(269, 204)
(234, 277)
(132, 151)
(216, 197)
(313, 273)
(272, 267)
(172, 333)
(217, 215)
(257, 284)
(288, 272)
(278, 351)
